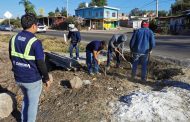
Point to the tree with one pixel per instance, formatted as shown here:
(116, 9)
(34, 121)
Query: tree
(29, 7)
(163, 13)
(82, 5)
(64, 11)
(153, 25)
(136, 12)
(51, 14)
(179, 6)
(102, 3)
(92, 3)
(98, 3)
(15, 22)
(57, 12)
(41, 12)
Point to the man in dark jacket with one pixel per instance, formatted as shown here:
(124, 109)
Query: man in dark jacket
(141, 44)
(116, 44)
(27, 57)
(75, 37)
(92, 51)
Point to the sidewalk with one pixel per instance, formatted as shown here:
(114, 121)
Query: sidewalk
(114, 31)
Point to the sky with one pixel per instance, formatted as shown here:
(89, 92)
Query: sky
(125, 6)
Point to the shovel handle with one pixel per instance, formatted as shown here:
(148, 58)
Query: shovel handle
(121, 55)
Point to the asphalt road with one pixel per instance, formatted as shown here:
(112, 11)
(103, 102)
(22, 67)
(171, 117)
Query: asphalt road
(168, 46)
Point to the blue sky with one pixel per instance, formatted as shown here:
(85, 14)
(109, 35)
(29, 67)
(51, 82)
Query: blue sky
(50, 5)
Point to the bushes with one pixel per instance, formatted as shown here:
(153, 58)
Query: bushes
(15, 22)
(153, 25)
(161, 27)
(163, 30)
(70, 20)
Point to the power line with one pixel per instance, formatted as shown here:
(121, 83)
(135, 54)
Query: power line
(148, 4)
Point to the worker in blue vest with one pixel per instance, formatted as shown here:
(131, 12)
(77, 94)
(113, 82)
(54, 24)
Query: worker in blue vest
(75, 37)
(141, 44)
(92, 51)
(116, 45)
(28, 65)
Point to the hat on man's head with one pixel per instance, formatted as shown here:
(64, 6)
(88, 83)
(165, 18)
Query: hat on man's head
(71, 26)
(122, 38)
(145, 24)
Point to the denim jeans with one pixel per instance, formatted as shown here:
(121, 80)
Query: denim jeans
(92, 64)
(31, 92)
(140, 59)
(71, 50)
(110, 55)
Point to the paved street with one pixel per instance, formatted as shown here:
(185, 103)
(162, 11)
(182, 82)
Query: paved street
(173, 46)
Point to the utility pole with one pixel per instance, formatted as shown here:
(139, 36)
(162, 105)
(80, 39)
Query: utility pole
(156, 8)
(67, 9)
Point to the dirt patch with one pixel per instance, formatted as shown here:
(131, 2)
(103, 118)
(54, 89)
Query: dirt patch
(90, 103)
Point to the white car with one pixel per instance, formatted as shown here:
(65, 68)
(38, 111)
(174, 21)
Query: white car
(41, 28)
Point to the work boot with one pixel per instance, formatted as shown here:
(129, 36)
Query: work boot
(107, 67)
(117, 66)
(98, 73)
(132, 78)
(91, 74)
(77, 58)
(143, 80)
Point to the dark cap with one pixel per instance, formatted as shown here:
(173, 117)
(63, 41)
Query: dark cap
(123, 37)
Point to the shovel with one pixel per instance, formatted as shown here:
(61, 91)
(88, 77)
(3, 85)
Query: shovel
(124, 58)
(103, 69)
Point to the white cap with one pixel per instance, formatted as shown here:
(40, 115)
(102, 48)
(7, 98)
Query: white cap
(71, 26)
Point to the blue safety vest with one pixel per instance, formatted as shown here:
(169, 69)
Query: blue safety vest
(25, 50)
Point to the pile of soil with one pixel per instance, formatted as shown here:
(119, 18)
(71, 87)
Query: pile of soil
(90, 103)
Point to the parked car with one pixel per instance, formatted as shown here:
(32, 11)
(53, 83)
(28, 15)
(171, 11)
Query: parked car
(1, 27)
(6, 27)
(41, 28)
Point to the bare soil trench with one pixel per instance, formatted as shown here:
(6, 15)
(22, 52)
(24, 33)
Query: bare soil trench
(90, 103)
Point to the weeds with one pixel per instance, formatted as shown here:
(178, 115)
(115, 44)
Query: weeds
(50, 43)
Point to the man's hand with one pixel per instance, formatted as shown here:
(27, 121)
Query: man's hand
(116, 50)
(48, 83)
(98, 62)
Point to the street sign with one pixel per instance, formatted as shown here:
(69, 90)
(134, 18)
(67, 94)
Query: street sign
(8, 15)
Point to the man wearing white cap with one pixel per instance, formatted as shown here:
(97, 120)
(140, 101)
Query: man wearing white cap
(75, 37)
